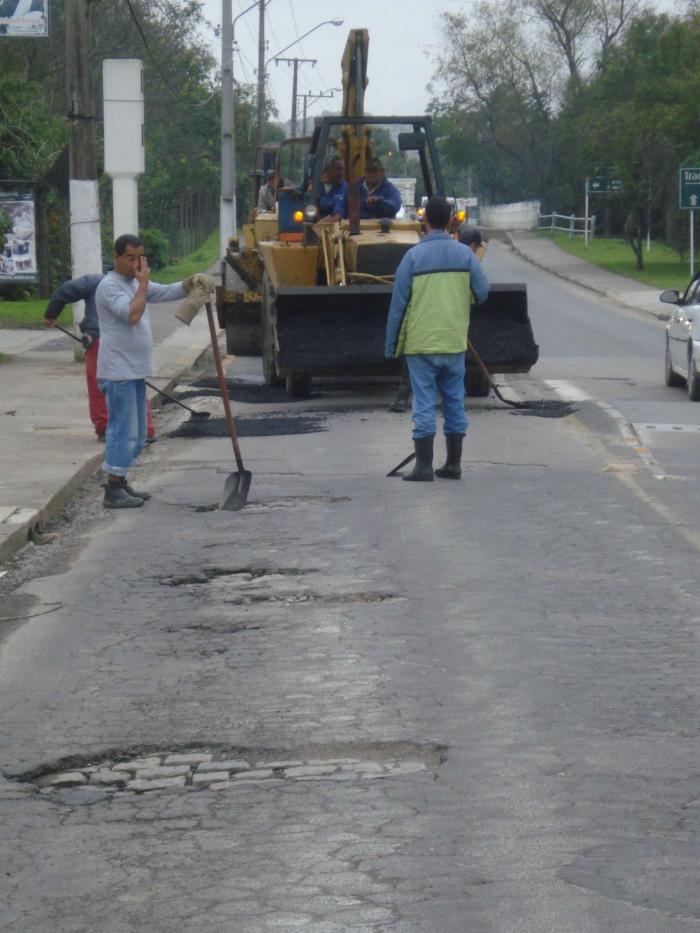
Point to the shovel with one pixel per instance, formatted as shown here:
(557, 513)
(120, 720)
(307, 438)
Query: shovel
(235, 494)
(196, 415)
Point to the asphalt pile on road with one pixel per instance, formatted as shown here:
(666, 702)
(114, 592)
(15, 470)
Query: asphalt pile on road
(264, 426)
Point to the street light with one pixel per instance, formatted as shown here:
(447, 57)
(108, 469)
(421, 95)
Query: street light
(326, 22)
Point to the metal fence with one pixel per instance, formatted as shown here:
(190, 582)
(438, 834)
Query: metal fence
(187, 218)
(568, 223)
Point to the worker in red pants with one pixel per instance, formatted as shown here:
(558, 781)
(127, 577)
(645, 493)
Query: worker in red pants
(83, 289)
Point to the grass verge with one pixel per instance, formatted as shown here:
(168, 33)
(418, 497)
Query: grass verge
(199, 261)
(30, 312)
(663, 267)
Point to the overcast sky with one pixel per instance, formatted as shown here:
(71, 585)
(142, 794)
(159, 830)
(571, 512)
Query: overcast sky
(401, 33)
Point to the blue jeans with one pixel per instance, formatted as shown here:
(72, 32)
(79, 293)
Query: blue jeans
(441, 373)
(126, 425)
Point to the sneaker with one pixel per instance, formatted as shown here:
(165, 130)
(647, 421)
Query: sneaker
(132, 492)
(116, 497)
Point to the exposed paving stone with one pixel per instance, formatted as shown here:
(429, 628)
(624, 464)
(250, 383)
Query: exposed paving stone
(64, 779)
(140, 786)
(310, 771)
(259, 773)
(233, 765)
(136, 763)
(194, 758)
(198, 770)
(209, 777)
(279, 765)
(155, 774)
(108, 777)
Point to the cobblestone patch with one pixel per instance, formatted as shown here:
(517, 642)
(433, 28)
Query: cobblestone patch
(194, 769)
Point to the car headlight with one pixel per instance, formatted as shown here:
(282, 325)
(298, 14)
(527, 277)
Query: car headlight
(298, 217)
(460, 216)
(310, 214)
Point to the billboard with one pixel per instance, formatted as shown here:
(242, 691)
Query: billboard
(18, 236)
(24, 18)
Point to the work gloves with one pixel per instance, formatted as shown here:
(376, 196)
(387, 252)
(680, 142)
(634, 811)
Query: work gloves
(199, 288)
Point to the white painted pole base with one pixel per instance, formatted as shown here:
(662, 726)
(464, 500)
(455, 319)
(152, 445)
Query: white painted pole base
(85, 243)
(125, 205)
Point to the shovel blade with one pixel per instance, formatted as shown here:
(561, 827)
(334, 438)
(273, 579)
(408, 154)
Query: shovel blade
(235, 494)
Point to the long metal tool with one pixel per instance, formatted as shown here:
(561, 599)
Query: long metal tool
(487, 374)
(235, 494)
(196, 415)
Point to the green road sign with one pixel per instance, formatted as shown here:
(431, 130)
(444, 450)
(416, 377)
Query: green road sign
(689, 188)
(604, 184)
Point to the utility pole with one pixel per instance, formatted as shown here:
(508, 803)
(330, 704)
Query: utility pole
(313, 97)
(86, 247)
(261, 72)
(227, 227)
(295, 62)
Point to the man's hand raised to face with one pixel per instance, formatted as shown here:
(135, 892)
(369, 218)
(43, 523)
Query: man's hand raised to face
(143, 271)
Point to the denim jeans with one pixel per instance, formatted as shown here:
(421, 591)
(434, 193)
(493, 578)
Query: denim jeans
(126, 427)
(441, 373)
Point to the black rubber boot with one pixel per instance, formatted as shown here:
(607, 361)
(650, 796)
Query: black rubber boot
(423, 470)
(452, 468)
(116, 497)
(132, 492)
(402, 402)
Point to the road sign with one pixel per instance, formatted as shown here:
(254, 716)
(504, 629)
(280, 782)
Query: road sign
(603, 184)
(689, 188)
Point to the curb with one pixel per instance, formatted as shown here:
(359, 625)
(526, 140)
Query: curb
(660, 316)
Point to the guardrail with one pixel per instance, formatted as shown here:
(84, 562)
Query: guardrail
(568, 223)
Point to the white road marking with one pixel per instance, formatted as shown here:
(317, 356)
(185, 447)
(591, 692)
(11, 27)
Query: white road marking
(568, 391)
(631, 438)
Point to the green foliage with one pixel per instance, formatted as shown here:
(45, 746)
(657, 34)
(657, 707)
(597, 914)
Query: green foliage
(25, 312)
(199, 261)
(521, 108)
(156, 246)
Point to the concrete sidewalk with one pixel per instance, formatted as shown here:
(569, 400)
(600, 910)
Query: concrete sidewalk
(47, 442)
(542, 252)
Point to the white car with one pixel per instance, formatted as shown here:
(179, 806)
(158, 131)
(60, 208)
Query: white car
(683, 339)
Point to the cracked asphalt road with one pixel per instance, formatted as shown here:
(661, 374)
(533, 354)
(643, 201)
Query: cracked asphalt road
(529, 635)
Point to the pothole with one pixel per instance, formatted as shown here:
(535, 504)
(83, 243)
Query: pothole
(239, 574)
(547, 408)
(191, 769)
(262, 426)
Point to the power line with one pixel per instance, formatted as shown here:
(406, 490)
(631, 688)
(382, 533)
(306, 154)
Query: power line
(176, 94)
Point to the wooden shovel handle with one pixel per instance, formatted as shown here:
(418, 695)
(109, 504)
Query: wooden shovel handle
(222, 387)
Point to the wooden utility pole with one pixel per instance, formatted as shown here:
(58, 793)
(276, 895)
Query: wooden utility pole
(86, 246)
(261, 72)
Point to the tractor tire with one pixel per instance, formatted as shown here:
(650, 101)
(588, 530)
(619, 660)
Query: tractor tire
(269, 335)
(298, 385)
(475, 382)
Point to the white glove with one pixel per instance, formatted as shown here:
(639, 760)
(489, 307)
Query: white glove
(199, 279)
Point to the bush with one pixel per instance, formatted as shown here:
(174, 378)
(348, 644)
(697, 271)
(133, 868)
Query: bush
(156, 246)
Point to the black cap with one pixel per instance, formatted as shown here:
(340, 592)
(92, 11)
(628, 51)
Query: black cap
(469, 235)
(373, 163)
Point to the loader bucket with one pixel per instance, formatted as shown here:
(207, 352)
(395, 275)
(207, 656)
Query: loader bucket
(340, 329)
(501, 332)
